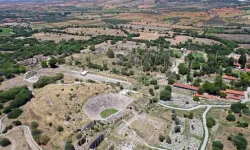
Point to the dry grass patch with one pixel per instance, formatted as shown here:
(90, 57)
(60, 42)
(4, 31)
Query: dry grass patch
(95, 31)
(57, 37)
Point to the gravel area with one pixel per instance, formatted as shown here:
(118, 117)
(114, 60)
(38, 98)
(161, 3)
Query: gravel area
(196, 127)
(180, 141)
(182, 101)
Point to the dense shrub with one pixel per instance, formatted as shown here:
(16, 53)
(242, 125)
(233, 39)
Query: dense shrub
(5, 142)
(36, 134)
(53, 62)
(69, 146)
(44, 139)
(231, 118)
(196, 98)
(16, 123)
(16, 112)
(237, 107)
(45, 80)
(151, 91)
(34, 125)
(177, 129)
(161, 138)
(240, 142)
(60, 129)
(217, 145)
(165, 95)
(210, 122)
(153, 82)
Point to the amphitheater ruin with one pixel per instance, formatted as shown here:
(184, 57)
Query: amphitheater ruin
(96, 105)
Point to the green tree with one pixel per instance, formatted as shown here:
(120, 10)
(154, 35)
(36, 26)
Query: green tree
(210, 122)
(92, 47)
(60, 129)
(16, 112)
(153, 82)
(151, 91)
(183, 69)
(217, 145)
(196, 98)
(44, 64)
(34, 125)
(110, 53)
(165, 95)
(230, 118)
(5, 142)
(243, 60)
(240, 142)
(69, 146)
(52, 62)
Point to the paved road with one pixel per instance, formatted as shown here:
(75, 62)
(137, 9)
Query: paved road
(76, 74)
(204, 117)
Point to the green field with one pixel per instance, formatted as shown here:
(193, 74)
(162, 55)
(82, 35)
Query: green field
(108, 112)
(5, 32)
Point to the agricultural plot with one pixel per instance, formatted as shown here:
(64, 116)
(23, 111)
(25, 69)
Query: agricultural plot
(57, 37)
(182, 39)
(234, 37)
(95, 31)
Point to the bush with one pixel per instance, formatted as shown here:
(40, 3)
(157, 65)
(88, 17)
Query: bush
(161, 138)
(217, 145)
(231, 118)
(196, 98)
(177, 129)
(110, 53)
(44, 64)
(165, 95)
(5, 142)
(210, 122)
(34, 125)
(15, 113)
(168, 140)
(16, 123)
(223, 95)
(52, 62)
(240, 142)
(171, 81)
(151, 91)
(45, 80)
(69, 146)
(44, 139)
(36, 134)
(237, 107)
(169, 88)
(153, 82)
(156, 87)
(60, 129)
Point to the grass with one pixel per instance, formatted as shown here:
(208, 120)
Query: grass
(108, 112)
(198, 55)
(116, 21)
(5, 32)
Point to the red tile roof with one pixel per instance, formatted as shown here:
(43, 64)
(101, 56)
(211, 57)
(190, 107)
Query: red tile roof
(189, 87)
(229, 77)
(235, 92)
(234, 97)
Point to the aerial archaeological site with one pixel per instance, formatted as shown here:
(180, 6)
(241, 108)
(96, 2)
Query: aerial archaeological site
(124, 74)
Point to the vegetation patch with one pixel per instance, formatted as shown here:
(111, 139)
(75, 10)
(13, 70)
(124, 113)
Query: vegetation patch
(108, 112)
(116, 21)
(5, 31)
